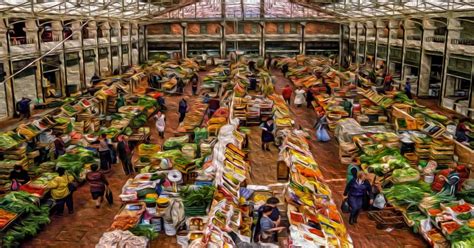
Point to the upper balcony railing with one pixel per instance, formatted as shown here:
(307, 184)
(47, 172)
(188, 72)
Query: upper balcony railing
(414, 37)
(467, 42)
(436, 38)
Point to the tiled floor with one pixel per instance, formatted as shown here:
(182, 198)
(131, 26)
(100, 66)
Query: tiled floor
(85, 227)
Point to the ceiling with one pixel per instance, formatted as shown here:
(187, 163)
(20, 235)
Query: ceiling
(146, 10)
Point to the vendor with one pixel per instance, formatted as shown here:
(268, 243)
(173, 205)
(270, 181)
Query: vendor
(59, 146)
(95, 79)
(18, 176)
(462, 130)
(267, 227)
(451, 182)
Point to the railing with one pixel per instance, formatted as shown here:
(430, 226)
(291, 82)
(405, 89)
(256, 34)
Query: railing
(467, 42)
(414, 37)
(21, 40)
(436, 38)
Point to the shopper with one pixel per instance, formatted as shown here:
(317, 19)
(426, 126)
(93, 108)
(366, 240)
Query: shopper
(275, 216)
(194, 83)
(284, 69)
(387, 82)
(120, 102)
(408, 88)
(97, 182)
(161, 102)
(299, 96)
(18, 177)
(180, 85)
(347, 105)
(286, 93)
(357, 190)
(182, 109)
(104, 153)
(23, 107)
(59, 146)
(160, 123)
(267, 227)
(462, 130)
(269, 61)
(59, 188)
(357, 80)
(239, 243)
(267, 133)
(125, 154)
(309, 98)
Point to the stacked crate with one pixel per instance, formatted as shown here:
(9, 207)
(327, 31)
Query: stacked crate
(442, 151)
(347, 152)
(12, 157)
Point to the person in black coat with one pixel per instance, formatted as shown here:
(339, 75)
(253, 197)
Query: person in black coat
(18, 176)
(125, 154)
(356, 191)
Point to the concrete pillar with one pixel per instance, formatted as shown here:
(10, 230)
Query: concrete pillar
(425, 62)
(119, 46)
(133, 33)
(370, 32)
(92, 34)
(303, 43)
(453, 32)
(8, 84)
(184, 46)
(379, 26)
(407, 25)
(31, 30)
(262, 39)
(39, 67)
(223, 41)
(76, 28)
(356, 26)
(145, 43)
(393, 27)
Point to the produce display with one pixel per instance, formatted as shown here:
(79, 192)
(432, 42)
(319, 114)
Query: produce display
(307, 192)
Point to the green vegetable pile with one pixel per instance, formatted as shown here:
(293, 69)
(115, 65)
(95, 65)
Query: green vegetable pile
(6, 141)
(175, 142)
(416, 217)
(19, 202)
(462, 237)
(144, 230)
(138, 121)
(407, 194)
(200, 197)
(147, 102)
(405, 175)
(28, 227)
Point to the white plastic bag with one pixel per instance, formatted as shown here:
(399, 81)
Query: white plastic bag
(379, 201)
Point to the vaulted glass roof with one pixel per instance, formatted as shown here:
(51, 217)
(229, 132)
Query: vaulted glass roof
(231, 9)
(381, 8)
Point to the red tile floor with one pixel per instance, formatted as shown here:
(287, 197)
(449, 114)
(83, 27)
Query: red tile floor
(86, 225)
